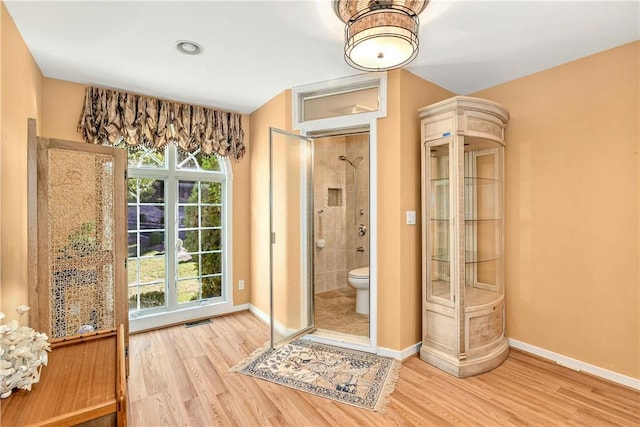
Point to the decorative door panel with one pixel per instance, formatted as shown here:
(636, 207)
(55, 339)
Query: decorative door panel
(81, 238)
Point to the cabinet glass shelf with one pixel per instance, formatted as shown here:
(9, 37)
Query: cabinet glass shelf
(474, 296)
(467, 219)
(469, 257)
(468, 180)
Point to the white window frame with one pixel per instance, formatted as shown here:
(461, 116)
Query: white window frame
(205, 308)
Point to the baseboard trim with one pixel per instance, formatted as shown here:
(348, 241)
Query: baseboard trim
(241, 307)
(259, 313)
(576, 365)
(560, 359)
(400, 355)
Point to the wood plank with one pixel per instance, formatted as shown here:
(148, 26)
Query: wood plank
(121, 379)
(79, 381)
(43, 287)
(81, 415)
(525, 390)
(32, 222)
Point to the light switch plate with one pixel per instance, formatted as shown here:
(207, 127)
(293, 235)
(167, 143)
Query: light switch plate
(411, 217)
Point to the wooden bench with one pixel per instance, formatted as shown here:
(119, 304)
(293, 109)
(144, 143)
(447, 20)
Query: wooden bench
(84, 382)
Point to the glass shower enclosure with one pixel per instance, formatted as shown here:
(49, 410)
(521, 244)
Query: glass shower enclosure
(291, 228)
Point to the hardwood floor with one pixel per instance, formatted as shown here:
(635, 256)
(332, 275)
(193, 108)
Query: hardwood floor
(179, 377)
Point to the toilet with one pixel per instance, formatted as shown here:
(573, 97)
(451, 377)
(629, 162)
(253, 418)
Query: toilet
(359, 279)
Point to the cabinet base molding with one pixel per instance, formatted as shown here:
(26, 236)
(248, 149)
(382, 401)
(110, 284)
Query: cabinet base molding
(467, 367)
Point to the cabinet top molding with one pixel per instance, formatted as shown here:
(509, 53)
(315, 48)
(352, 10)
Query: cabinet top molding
(465, 103)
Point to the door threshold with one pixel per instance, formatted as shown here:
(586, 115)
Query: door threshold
(338, 339)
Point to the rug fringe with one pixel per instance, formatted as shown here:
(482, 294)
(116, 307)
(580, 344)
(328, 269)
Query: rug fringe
(389, 386)
(255, 353)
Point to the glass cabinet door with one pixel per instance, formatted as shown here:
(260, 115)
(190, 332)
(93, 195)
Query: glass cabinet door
(483, 223)
(439, 247)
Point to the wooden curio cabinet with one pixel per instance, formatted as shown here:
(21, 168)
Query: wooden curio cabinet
(463, 306)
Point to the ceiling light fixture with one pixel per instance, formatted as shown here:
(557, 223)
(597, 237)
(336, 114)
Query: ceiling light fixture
(380, 34)
(189, 48)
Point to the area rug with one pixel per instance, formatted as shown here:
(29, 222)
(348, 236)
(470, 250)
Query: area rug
(360, 379)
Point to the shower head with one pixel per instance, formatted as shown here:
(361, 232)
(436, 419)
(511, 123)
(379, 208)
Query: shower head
(353, 162)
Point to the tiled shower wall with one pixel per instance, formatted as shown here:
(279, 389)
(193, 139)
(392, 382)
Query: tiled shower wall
(336, 212)
(357, 211)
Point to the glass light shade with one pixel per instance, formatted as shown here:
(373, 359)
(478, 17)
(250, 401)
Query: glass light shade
(381, 39)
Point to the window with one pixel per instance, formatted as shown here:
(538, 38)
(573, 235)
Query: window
(329, 104)
(177, 227)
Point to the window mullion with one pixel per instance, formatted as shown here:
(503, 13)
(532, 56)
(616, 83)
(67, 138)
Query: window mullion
(171, 226)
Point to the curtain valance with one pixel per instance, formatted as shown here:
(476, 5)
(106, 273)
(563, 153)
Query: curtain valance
(110, 117)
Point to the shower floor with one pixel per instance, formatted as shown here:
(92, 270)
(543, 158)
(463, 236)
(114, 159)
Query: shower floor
(336, 311)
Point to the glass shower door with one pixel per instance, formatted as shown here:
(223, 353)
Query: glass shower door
(291, 227)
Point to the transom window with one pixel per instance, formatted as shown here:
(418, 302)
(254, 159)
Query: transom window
(177, 228)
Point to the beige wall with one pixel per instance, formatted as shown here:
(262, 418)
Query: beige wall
(21, 98)
(572, 218)
(242, 219)
(62, 103)
(274, 113)
(3, 11)
(399, 245)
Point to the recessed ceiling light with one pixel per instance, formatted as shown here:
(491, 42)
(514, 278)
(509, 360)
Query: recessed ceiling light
(189, 48)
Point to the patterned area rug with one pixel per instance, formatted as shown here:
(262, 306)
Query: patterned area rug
(353, 377)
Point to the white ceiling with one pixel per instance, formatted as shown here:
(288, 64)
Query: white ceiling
(255, 49)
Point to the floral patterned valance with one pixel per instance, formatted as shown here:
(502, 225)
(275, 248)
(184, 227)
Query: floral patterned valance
(109, 117)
